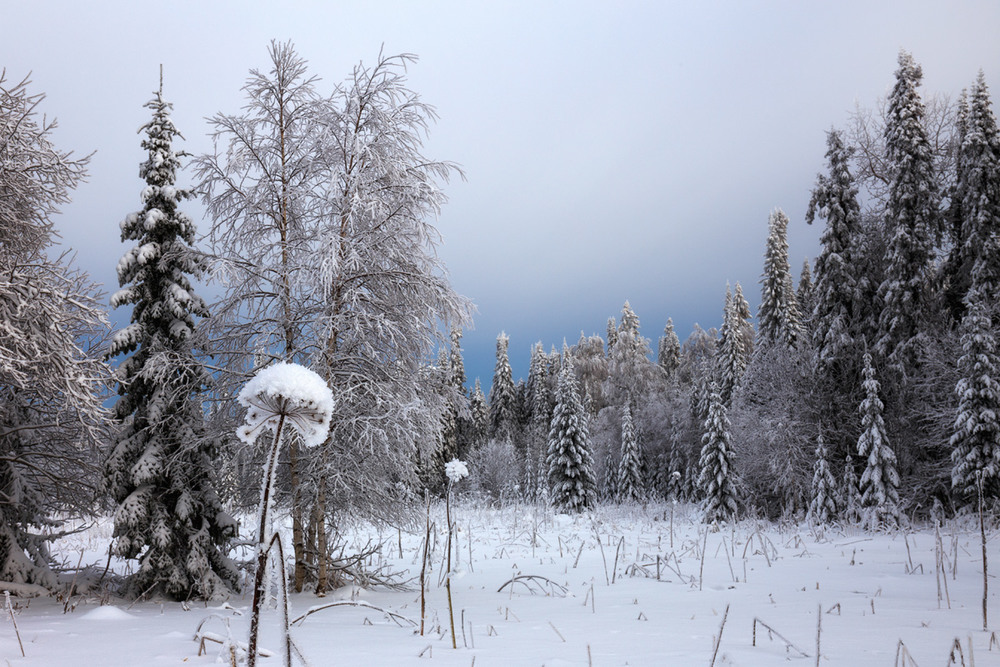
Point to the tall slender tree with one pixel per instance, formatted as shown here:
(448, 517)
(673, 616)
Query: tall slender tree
(778, 319)
(669, 353)
(823, 504)
(913, 221)
(716, 463)
(503, 416)
(569, 460)
(160, 470)
(629, 485)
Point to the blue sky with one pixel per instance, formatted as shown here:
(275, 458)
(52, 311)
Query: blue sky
(613, 151)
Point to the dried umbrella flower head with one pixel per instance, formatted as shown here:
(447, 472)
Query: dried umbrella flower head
(456, 470)
(288, 390)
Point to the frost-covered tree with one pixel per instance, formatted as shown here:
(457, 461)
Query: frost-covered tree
(716, 477)
(733, 356)
(629, 486)
(669, 354)
(612, 330)
(835, 198)
(629, 369)
(914, 223)
(569, 461)
(806, 290)
(161, 467)
(778, 319)
(503, 416)
(979, 188)
(823, 504)
(322, 210)
(976, 440)
(880, 480)
(480, 413)
(54, 329)
(850, 494)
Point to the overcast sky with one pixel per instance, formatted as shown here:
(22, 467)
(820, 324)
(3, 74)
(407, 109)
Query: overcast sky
(613, 150)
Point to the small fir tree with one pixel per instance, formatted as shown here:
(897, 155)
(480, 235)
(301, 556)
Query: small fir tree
(733, 357)
(569, 461)
(850, 494)
(629, 485)
(822, 506)
(880, 481)
(778, 319)
(160, 468)
(716, 478)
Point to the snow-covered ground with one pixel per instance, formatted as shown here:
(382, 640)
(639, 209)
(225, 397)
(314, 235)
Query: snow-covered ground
(622, 585)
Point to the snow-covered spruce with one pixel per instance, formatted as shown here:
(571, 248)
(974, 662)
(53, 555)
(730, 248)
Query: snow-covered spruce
(161, 466)
(778, 318)
(716, 479)
(823, 504)
(502, 410)
(913, 219)
(569, 461)
(629, 486)
(880, 481)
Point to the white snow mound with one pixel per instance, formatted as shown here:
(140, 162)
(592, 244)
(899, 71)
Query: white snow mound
(106, 613)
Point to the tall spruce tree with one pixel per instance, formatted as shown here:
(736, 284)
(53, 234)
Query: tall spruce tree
(778, 319)
(629, 484)
(733, 356)
(569, 460)
(503, 416)
(880, 480)
(835, 198)
(160, 469)
(914, 223)
(669, 353)
(716, 478)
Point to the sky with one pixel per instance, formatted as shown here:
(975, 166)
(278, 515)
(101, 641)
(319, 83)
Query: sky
(613, 151)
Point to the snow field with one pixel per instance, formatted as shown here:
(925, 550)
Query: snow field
(874, 591)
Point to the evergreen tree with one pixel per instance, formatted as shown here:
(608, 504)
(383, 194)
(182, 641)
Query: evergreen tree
(743, 315)
(732, 357)
(778, 319)
(716, 478)
(822, 506)
(880, 481)
(835, 198)
(913, 221)
(669, 353)
(480, 414)
(675, 465)
(805, 292)
(160, 469)
(629, 485)
(569, 460)
(612, 334)
(502, 394)
(976, 440)
(979, 188)
(850, 494)
(629, 368)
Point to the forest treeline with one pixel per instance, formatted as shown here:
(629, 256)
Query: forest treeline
(865, 394)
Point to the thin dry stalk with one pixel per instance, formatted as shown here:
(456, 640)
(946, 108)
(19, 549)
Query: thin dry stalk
(614, 570)
(607, 581)
(771, 632)
(701, 571)
(718, 640)
(423, 567)
(819, 630)
(557, 632)
(10, 610)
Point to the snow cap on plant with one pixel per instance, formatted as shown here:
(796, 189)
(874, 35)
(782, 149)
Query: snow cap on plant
(288, 390)
(456, 470)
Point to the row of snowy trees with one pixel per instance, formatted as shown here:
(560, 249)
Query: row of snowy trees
(867, 393)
